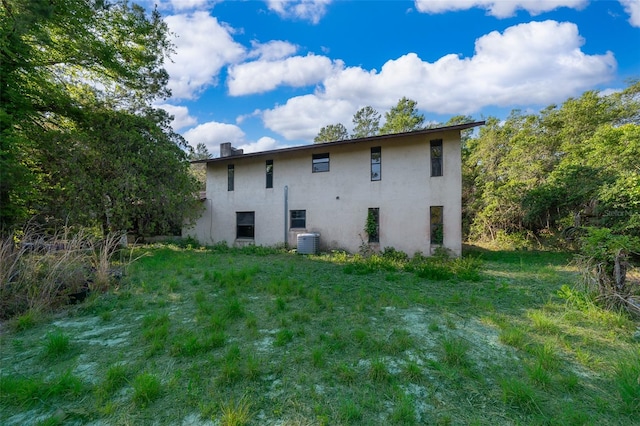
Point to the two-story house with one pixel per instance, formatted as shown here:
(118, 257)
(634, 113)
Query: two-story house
(405, 189)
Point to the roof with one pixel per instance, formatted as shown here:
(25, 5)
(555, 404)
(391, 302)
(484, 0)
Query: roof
(346, 142)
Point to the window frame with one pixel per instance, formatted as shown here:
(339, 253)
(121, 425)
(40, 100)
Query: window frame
(269, 174)
(375, 212)
(247, 225)
(437, 158)
(320, 159)
(376, 162)
(436, 225)
(230, 177)
(297, 220)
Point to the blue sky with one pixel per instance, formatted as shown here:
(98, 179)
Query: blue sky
(269, 74)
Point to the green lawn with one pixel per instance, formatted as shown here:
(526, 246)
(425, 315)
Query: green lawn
(261, 337)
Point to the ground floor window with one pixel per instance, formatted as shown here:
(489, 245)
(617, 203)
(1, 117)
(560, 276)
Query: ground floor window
(373, 225)
(298, 219)
(436, 214)
(245, 224)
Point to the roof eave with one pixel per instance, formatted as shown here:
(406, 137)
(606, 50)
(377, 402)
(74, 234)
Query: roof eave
(463, 126)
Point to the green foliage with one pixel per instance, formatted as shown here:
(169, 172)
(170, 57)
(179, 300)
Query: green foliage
(569, 165)
(371, 226)
(603, 262)
(80, 141)
(602, 245)
(403, 117)
(366, 122)
(331, 133)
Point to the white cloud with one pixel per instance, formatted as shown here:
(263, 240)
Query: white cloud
(263, 144)
(537, 63)
(632, 7)
(273, 50)
(262, 76)
(181, 117)
(306, 10)
(303, 116)
(212, 134)
(188, 4)
(203, 47)
(498, 8)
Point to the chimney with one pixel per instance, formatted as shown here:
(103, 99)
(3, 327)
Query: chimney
(226, 150)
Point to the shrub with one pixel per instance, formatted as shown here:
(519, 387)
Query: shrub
(393, 254)
(603, 261)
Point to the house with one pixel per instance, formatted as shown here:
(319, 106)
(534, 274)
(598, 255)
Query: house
(405, 189)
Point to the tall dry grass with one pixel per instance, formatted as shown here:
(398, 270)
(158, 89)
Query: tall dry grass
(41, 271)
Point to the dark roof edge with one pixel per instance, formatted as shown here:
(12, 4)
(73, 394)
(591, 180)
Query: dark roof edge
(345, 142)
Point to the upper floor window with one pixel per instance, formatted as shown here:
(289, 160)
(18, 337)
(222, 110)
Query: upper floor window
(298, 219)
(230, 177)
(436, 157)
(269, 172)
(320, 163)
(376, 163)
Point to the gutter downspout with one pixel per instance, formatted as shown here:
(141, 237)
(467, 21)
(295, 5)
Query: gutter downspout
(286, 209)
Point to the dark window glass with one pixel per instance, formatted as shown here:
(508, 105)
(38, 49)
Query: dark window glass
(436, 157)
(436, 214)
(298, 219)
(245, 224)
(320, 163)
(373, 225)
(230, 173)
(376, 163)
(269, 173)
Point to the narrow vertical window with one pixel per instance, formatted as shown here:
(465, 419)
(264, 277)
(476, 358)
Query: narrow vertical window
(436, 214)
(245, 222)
(376, 163)
(320, 163)
(269, 172)
(230, 177)
(436, 157)
(373, 225)
(298, 219)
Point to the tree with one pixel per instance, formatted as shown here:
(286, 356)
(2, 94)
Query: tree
(199, 170)
(404, 117)
(366, 123)
(124, 172)
(332, 132)
(570, 165)
(75, 104)
(201, 152)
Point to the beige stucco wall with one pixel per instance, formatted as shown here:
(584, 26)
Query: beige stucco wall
(337, 202)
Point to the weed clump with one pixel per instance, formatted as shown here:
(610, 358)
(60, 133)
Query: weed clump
(146, 388)
(42, 271)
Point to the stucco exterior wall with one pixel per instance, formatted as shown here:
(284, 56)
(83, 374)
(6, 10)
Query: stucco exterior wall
(337, 201)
